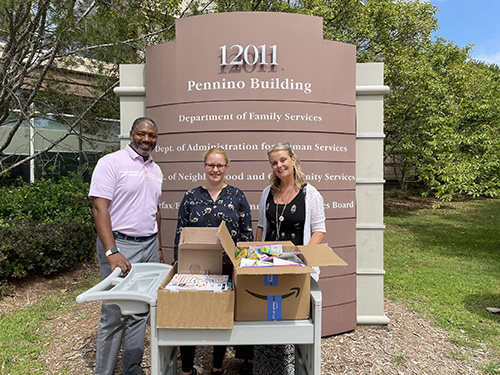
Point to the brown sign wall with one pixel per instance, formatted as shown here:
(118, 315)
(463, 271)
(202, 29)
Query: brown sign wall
(244, 82)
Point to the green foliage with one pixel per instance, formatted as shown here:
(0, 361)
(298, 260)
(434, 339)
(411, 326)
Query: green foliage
(442, 114)
(442, 124)
(254, 6)
(445, 263)
(45, 227)
(62, 57)
(36, 248)
(120, 31)
(46, 201)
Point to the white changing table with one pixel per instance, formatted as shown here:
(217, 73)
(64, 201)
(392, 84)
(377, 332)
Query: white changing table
(136, 293)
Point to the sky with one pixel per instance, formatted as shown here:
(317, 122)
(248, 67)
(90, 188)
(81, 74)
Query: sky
(474, 22)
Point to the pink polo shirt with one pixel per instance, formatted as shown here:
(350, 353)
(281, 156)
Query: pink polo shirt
(134, 188)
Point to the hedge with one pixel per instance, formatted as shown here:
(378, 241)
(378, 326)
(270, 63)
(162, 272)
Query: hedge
(45, 227)
(37, 248)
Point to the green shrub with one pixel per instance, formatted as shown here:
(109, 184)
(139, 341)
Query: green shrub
(45, 227)
(38, 248)
(46, 201)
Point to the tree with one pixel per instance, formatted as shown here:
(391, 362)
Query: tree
(442, 113)
(42, 41)
(463, 143)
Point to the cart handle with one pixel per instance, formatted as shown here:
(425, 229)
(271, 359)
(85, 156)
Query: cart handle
(135, 293)
(105, 284)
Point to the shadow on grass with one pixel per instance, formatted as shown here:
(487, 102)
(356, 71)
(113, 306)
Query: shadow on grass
(447, 261)
(476, 303)
(465, 229)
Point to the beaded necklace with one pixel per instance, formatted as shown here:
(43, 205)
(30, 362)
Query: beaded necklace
(281, 218)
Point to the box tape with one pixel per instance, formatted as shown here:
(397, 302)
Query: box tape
(270, 280)
(274, 308)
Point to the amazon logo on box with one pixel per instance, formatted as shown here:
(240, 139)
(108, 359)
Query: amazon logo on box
(275, 292)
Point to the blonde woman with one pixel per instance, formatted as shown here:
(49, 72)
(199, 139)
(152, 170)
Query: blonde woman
(290, 209)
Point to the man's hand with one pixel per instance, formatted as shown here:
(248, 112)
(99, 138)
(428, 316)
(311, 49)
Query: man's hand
(119, 260)
(160, 256)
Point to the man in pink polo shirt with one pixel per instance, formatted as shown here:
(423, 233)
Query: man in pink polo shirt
(125, 192)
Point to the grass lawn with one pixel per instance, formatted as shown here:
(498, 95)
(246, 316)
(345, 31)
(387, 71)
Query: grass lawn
(445, 263)
(22, 337)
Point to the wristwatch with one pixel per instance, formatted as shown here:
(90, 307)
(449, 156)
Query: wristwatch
(112, 251)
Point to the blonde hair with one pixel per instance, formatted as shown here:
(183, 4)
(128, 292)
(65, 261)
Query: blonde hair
(220, 151)
(298, 176)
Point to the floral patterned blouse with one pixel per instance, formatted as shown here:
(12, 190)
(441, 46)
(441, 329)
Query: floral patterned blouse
(198, 209)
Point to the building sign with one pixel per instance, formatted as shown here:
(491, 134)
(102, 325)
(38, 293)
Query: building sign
(244, 82)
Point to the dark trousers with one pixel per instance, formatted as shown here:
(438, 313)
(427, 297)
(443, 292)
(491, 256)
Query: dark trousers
(187, 357)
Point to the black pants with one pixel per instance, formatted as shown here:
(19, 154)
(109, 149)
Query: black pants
(187, 357)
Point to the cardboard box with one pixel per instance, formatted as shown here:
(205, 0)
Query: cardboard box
(194, 309)
(277, 292)
(200, 251)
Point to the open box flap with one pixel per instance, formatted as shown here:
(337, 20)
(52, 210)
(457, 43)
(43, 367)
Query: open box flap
(315, 255)
(321, 255)
(198, 236)
(226, 241)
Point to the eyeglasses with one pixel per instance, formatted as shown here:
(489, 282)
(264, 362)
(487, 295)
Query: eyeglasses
(219, 166)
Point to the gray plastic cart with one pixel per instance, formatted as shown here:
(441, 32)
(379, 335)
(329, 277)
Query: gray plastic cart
(136, 293)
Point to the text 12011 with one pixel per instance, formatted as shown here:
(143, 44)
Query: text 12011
(249, 55)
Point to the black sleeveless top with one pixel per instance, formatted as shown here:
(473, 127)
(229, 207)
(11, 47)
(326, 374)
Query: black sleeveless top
(294, 215)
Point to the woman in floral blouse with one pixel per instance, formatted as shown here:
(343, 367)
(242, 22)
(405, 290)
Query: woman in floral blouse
(207, 206)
